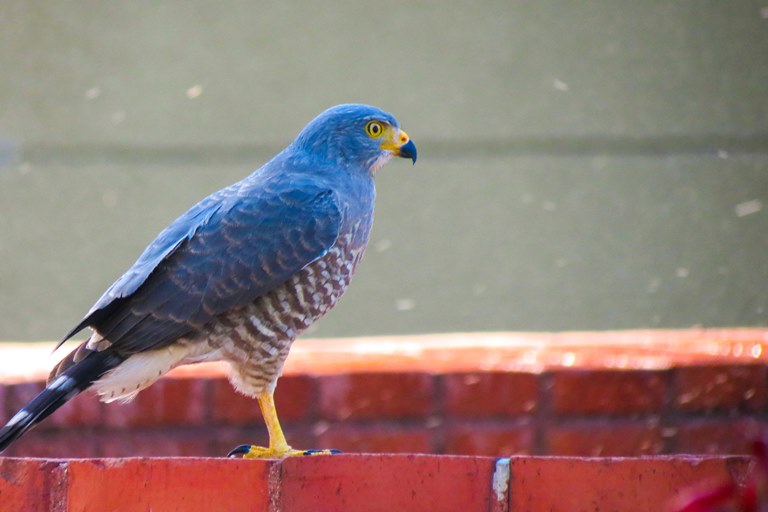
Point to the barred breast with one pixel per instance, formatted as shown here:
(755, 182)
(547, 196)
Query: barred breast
(256, 339)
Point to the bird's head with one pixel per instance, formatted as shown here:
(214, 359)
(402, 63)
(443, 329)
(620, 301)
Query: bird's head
(358, 136)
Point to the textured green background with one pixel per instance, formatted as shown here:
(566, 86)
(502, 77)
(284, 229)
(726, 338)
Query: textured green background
(583, 165)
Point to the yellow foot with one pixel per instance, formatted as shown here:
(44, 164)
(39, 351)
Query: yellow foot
(249, 451)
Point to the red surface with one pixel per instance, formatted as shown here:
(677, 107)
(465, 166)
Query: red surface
(359, 483)
(716, 435)
(28, 486)
(479, 438)
(608, 392)
(150, 443)
(724, 387)
(58, 443)
(471, 352)
(600, 485)
(376, 438)
(85, 410)
(180, 401)
(375, 395)
(627, 393)
(480, 394)
(634, 393)
(296, 397)
(168, 485)
(230, 407)
(605, 438)
(369, 483)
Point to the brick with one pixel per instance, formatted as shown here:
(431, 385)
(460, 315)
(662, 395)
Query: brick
(609, 392)
(490, 439)
(721, 387)
(554, 484)
(168, 402)
(485, 394)
(228, 407)
(29, 485)
(295, 400)
(376, 439)
(360, 483)
(54, 443)
(367, 483)
(605, 438)
(85, 410)
(375, 396)
(189, 485)
(157, 443)
(717, 436)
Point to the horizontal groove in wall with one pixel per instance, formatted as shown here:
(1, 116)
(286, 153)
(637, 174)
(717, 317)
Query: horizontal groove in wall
(663, 145)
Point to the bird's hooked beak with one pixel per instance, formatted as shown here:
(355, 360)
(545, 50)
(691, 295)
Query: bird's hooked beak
(401, 145)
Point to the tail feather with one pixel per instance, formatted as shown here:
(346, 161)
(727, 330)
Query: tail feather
(59, 390)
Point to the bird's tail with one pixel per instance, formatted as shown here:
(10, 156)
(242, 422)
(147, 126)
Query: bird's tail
(68, 384)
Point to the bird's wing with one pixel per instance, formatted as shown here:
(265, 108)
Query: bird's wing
(223, 253)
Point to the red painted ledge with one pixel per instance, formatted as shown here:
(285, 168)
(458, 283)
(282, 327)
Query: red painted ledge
(360, 483)
(578, 394)
(464, 352)
(609, 394)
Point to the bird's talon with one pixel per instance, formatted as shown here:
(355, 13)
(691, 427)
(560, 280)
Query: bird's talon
(243, 449)
(259, 452)
(310, 453)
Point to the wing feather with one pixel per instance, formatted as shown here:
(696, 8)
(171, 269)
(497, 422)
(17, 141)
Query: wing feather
(226, 251)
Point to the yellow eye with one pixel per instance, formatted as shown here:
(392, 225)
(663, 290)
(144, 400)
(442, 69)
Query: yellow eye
(374, 129)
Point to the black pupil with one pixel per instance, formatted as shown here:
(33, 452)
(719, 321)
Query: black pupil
(374, 129)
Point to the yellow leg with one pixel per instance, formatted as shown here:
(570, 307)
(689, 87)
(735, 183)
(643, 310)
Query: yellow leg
(277, 440)
(278, 446)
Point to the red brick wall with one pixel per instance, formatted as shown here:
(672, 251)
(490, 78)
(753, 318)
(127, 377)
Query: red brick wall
(359, 483)
(478, 396)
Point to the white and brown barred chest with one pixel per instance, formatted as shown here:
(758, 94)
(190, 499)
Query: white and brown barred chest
(256, 339)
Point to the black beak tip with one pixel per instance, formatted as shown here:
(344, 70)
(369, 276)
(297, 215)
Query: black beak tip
(408, 150)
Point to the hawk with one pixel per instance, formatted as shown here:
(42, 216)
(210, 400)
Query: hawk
(238, 276)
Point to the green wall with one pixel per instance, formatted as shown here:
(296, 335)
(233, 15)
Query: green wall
(583, 165)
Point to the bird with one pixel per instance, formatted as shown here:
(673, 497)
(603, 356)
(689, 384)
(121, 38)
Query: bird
(238, 276)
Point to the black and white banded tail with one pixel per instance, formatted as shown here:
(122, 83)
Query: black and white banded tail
(59, 390)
